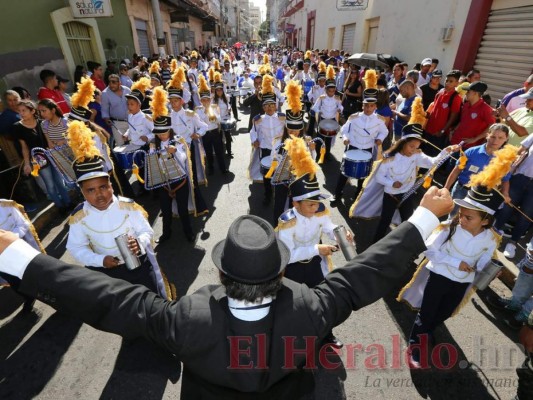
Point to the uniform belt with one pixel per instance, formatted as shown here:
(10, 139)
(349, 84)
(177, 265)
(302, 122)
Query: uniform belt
(119, 120)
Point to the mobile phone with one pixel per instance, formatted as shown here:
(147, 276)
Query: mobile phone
(498, 103)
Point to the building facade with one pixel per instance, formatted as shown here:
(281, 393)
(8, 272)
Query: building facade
(491, 35)
(52, 35)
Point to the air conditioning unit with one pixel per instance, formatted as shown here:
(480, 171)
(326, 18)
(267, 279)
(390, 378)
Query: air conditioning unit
(446, 33)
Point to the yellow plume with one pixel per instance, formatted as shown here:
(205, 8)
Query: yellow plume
(371, 79)
(301, 160)
(293, 91)
(322, 67)
(498, 167)
(194, 54)
(267, 84)
(226, 57)
(173, 65)
(330, 74)
(85, 93)
(158, 105)
(178, 77)
(307, 55)
(154, 68)
(142, 84)
(80, 139)
(262, 70)
(218, 77)
(462, 160)
(216, 64)
(418, 115)
(266, 60)
(211, 74)
(203, 86)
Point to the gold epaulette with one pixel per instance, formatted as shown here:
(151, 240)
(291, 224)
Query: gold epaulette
(282, 117)
(190, 113)
(76, 217)
(285, 224)
(498, 239)
(199, 107)
(130, 205)
(148, 117)
(322, 96)
(353, 116)
(337, 97)
(7, 203)
(443, 225)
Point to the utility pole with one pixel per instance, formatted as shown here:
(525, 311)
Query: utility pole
(159, 28)
(238, 15)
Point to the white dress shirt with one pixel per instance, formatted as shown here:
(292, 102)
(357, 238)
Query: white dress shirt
(363, 130)
(12, 220)
(139, 125)
(212, 122)
(267, 128)
(315, 92)
(328, 106)
(187, 122)
(303, 238)
(402, 169)
(92, 237)
(445, 258)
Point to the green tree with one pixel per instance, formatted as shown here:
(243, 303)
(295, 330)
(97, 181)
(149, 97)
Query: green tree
(264, 30)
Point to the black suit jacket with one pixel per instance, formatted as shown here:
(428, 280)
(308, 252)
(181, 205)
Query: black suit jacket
(204, 335)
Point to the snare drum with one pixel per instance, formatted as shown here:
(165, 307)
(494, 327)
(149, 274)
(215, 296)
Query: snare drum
(356, 164)
(328, 127)
(266, 162)
(228, 124)
(124, 155)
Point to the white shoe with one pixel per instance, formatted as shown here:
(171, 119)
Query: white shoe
(510, 250)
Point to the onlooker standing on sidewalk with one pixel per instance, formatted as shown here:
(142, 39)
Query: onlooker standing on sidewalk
(521, 193)
(49, 91)
(115, 108)
(476, 118)
(520, 120)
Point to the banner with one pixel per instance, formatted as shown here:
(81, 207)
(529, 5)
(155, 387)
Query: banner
(352, 5)
(91, 8)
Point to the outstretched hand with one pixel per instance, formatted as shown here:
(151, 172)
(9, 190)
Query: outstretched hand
(438, 201)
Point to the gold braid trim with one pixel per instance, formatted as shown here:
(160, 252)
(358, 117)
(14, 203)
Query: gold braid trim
(399, 298)
(285, 224)
(132, 207)
(170, 289)
(25, 216)
(74, 219)
(191, 174)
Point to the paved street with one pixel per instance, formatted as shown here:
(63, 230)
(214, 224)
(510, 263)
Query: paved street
(47, 355)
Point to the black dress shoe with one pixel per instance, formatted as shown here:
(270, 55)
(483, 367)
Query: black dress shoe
(333, 341)
(237, 119)
(225, 171)
(163, 238)
(230, 155)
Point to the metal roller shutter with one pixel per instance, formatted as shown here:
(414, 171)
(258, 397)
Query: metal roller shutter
(348, 36)
(505, 56)
(142, 36)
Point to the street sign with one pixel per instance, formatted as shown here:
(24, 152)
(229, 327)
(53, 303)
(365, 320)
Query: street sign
(91, 8)
(352, 5)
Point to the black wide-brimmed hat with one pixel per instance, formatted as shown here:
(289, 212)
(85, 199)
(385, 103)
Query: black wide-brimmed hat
(251, 253)
(175, 93)
(482, 199)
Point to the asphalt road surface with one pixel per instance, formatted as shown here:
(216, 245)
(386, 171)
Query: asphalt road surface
(48, 355)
